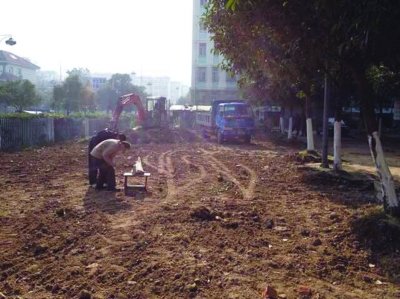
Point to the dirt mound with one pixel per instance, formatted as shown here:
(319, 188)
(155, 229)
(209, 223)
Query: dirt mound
(378, 231)
(381, 234)
(340, 180)
(161, 136)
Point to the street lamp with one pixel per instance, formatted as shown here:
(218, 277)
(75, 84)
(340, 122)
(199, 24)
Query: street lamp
(10, 41)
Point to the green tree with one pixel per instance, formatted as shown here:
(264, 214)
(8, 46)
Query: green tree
(87, 98)
(118, 85)
(299, 39)
(18, 94)
(58, 97)
(270, 63)
(121, 84)
(105, 98)
(82, 73)
(72, 91)
(75, 93)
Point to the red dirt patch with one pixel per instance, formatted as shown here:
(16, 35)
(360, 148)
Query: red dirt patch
(218, 222)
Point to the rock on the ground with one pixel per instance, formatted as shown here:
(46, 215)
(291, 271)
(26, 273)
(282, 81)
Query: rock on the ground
(85, 295)
(202, 213)
(269, 223)
(270, 293)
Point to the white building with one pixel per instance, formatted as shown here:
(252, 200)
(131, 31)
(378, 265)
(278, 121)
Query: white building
(161, 86)
(97, 82)
(209, 82)
(46, 76)
(13, 67)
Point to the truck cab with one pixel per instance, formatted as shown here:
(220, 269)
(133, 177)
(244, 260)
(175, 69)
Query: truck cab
(156, 108)
(234, 120)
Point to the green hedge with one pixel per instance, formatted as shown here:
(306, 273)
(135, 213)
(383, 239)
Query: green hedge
(74, 115)
(22, 115)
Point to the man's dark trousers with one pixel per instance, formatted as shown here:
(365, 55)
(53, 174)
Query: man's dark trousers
(106, 175)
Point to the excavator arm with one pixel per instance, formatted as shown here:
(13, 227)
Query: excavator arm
(127, 100)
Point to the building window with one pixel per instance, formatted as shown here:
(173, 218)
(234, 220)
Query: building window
(11, 70)
(203, 2)
(201, 74)
(202, 49)
(215, 74)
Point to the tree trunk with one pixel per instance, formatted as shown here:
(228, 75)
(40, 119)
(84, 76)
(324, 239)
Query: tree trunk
(309, 127)
(337, 136)
(290, 124)
(380, 119)
(389, 198)
(282, 120)
(337, 146)
(290, 128)
(310, 135)
(282, 124)
(391, 201)
(380, 127)
(325, 163)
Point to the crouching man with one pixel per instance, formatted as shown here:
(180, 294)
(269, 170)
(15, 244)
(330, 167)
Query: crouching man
(104, 154)
(95, 140)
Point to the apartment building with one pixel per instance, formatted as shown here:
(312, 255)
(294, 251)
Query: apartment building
(209, 82)
(13, 67)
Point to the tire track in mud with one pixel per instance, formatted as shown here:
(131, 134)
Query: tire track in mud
(248, 191)
(124, 223)
(166, 168)
(252, 183)
(148, 163)
(201, 177)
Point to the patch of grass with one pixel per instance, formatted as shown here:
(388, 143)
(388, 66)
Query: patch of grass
(3, 213)
(306, 156)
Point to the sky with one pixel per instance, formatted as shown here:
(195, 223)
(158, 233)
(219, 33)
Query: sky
(146, 37)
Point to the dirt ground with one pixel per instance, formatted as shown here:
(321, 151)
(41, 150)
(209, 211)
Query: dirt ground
(218, 222)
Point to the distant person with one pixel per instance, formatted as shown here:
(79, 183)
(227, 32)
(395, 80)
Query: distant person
(103, 155)
(95, 140)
